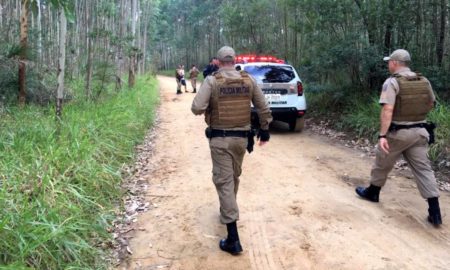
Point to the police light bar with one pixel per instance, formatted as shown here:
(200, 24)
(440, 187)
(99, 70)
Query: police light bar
(251, 58)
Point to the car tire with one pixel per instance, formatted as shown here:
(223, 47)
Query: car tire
(297, 125)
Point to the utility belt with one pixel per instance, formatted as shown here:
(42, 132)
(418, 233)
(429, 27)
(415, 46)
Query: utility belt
(428, 126)
(250, 134)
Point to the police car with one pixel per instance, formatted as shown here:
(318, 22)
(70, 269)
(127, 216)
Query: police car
(281, 86)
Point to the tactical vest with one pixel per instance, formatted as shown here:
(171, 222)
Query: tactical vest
(413, 99)
(194, 73)
(230, 102)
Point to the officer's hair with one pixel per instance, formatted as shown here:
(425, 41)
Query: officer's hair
(404, 63)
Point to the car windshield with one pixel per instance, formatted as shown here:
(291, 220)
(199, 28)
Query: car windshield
(271, 74)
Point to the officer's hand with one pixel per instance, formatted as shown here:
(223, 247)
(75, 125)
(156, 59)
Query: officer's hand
(384, 145)
(263, 136)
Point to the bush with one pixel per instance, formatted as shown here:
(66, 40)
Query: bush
(40, 83)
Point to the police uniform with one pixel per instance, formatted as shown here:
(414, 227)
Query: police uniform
(225, 98)
(179, 73)
(193, 73)
(411, 96)
(411, 142)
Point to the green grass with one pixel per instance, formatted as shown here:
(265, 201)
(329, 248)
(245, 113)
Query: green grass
(441, 116)
(59, 187)
(360, 114)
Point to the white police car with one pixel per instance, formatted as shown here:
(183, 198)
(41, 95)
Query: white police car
(281, 85)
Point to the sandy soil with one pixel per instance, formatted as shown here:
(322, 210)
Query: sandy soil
(297, 204)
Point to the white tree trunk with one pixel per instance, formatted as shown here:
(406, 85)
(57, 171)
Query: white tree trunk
(134, 19)
(39, 26)
(61, 62)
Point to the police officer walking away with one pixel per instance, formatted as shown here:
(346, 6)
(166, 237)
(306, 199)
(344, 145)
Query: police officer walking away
(193, 73)
(406, 98)
(225, 98)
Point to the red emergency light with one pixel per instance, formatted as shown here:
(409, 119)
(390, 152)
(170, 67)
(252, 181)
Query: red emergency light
(251, 58)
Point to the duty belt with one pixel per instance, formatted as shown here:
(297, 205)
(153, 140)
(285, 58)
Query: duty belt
(229, 133)
(428, 126)
(394, 127)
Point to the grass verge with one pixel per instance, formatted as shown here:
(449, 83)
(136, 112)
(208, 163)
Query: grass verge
(58, 186)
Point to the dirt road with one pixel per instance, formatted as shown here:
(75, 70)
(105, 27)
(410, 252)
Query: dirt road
(297, 202)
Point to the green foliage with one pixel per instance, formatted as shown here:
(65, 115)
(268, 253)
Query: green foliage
(441, 116)
(58, 184)
(362, 117)
(39, 84)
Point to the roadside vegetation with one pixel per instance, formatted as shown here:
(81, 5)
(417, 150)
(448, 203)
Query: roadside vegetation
(60, 184)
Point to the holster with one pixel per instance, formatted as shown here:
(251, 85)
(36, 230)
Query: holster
(251, 140)
(208, 133)
(430, 126)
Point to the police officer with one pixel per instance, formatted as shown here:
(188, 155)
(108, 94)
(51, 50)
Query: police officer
(193, 73)
(179, 75)
(406, 98)
(211, 68)
(225, 98)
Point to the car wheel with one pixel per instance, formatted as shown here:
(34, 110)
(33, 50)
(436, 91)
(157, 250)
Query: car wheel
(297, 124)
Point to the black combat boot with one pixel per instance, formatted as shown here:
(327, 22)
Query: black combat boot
(434, 212)
(231, 244)
(195, 91)
(372, 193)
(179, 92)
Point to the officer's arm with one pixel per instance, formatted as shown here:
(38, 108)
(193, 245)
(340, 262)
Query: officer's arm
(262, 107)
(386, 118)
(201, 100)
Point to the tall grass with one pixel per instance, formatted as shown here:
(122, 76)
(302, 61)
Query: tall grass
(441, 116)
(360, 114)
(58, 186)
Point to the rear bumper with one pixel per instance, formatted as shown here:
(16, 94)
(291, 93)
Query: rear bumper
(280, 114)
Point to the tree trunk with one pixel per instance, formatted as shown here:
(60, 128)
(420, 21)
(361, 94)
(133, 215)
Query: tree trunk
(368, 22)
(442, 31)
(23, 52)
(61, 62)
(132, 69)
(285, 27)
(39, 26)
(388, 31)
(88, 19)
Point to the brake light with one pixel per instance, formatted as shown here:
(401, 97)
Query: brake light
(299, 88)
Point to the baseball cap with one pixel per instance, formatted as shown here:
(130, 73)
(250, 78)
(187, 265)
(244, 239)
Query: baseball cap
(399, 55)
(226, 54)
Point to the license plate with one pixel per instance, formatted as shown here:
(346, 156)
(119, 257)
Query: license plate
(273, 97)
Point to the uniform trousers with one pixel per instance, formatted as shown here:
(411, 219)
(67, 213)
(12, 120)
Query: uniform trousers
(227, 154)
(413, 145)
(194, 83)
(178, 85)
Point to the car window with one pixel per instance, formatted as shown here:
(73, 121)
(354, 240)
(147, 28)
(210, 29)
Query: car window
(271, 74)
